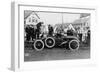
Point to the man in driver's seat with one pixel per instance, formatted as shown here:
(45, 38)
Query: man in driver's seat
(70, 32)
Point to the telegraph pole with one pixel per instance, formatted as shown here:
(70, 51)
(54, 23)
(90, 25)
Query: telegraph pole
(62, 18)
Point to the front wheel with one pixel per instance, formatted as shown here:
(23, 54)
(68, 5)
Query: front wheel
(73, 45)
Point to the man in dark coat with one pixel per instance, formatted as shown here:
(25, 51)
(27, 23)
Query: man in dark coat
(32, 32)
(28, 33)
(50, 28)
(70, 32)
(38, 30)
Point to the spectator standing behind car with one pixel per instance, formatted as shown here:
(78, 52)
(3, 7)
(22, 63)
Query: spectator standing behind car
(33, 32)
(88, 37)
(38, 30)
(80, 34)
(28, 32)
(50, 29)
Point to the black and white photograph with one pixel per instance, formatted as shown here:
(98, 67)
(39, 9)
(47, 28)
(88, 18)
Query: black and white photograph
(50, 35)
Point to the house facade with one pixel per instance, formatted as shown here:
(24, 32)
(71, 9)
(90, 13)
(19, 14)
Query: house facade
(82, 25)
(31, 19)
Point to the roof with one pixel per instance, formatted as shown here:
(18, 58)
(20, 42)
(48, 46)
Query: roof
(81, 20)
(65, 25)
(28, 13)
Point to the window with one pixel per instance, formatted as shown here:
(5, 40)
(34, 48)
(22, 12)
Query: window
(29, 19)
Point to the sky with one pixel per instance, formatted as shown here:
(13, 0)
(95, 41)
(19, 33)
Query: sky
(56, 18)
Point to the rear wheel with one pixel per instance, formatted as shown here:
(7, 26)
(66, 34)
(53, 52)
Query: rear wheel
(38, 45)
(73, 45)
(49, 42)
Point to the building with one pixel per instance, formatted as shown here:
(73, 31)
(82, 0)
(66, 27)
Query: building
(32, 18)
(82, 25)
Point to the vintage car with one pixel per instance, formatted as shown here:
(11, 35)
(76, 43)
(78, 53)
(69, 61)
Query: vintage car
(68, 42)
(56, 40)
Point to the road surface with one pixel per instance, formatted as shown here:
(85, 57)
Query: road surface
(56, 54)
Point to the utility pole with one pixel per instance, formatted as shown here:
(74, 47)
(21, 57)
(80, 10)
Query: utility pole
(62, 18)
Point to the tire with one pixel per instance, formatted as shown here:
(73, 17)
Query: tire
(73, 45)
(38, 45)
(49, 42)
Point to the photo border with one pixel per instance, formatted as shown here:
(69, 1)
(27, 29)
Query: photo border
(16, 63)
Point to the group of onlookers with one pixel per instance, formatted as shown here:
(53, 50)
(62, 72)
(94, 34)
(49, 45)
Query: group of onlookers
(33, 32)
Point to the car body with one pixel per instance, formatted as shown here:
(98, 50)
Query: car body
(68, 42)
